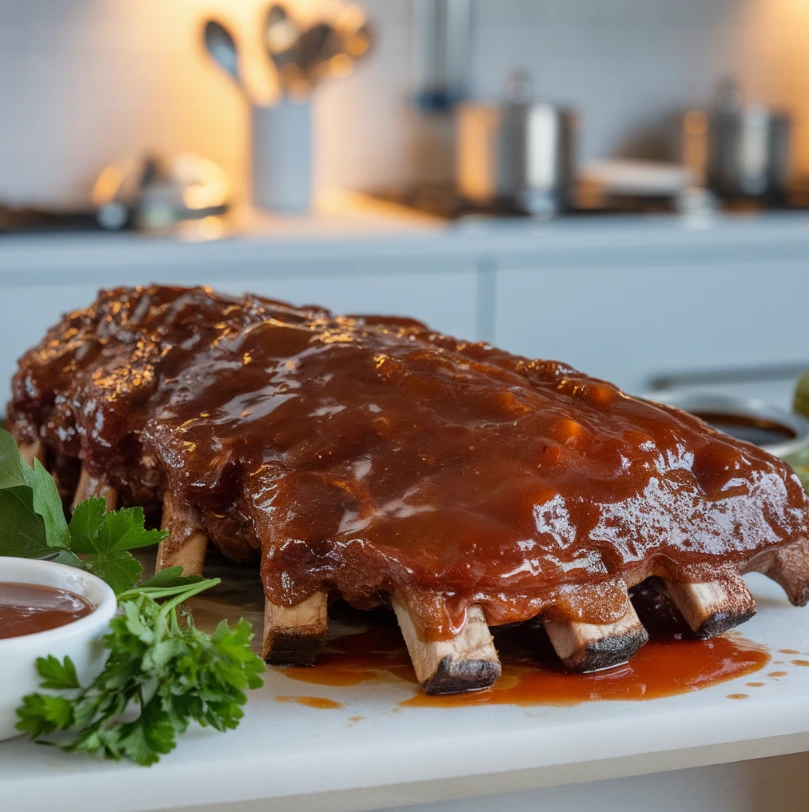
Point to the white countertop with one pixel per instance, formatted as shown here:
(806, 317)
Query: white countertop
(309, 759)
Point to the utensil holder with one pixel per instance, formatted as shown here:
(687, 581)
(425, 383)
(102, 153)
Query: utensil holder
(281, 165)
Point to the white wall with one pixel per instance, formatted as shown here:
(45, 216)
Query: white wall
(86, 82)
(627, 65)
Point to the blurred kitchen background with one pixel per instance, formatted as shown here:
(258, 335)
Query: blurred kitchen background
(621, 184)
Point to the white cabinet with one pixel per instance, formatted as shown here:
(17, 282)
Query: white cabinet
(627, 300)
(445, 301)
(630, 325)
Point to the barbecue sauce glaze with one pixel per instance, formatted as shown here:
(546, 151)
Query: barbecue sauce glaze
(366, 455)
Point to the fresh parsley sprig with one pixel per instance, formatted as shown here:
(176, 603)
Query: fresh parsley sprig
(33, 524)
(159, 663)
(162, 673)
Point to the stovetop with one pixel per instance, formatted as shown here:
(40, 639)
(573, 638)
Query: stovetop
(448, 204)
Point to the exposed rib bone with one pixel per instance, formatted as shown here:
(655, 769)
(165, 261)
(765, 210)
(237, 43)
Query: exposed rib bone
(186, 545)
(90, 486)
(713, 607)
(82, 489)
(788, 567)
(586, 647)
(467, 662)
(32, 451)
(293, 635)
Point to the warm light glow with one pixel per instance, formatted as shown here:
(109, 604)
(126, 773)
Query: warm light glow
(106, 186)
(358, 44)
(695, 143)
(696, 123)
(351, 18)
(211, 228)
(281, 36)
(341, 65)
(197, 197)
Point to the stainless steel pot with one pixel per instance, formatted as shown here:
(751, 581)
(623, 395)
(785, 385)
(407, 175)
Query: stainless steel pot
(519, 153)
(745, 147)
(749, 152)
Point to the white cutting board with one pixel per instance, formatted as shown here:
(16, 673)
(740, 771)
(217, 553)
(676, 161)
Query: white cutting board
(312, 759)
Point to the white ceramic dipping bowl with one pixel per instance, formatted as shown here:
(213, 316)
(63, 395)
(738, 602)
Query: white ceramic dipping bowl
(79, 640)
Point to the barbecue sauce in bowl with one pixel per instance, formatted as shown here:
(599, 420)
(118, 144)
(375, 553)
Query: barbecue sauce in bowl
(30, 608)
(752, 429)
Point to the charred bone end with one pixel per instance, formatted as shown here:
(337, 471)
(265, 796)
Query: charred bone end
(466, 662)
(713, 607)
(584, 647)
(293, 635)
(455, 676)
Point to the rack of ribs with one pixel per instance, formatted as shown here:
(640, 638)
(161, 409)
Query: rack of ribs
(375, 460)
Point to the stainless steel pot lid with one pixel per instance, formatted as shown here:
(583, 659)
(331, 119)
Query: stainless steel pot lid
(776, 430)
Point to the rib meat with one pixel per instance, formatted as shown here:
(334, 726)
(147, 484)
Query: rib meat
(377, 460)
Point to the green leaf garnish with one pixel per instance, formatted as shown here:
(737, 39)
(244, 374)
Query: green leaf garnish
(169, 578)
(56, 675)
(48, 504)
(87, 517)
(45, 500)
(12, 465)
(22, 529)
(162, 672)
(118, 568)
(32, 524)
(106, 538)
(161, 669)
(123, 530)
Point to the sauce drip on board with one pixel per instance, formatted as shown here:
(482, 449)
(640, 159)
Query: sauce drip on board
(317, 702)
(30, 608)
(672, 663)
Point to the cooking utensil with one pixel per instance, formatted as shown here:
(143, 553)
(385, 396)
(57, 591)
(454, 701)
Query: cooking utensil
(313, 49)
(222, 48)
(441, 32)
(742, 150)
(281, 38)
(341, 53)
(304, 57)
(353, 35)
(519, 153)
